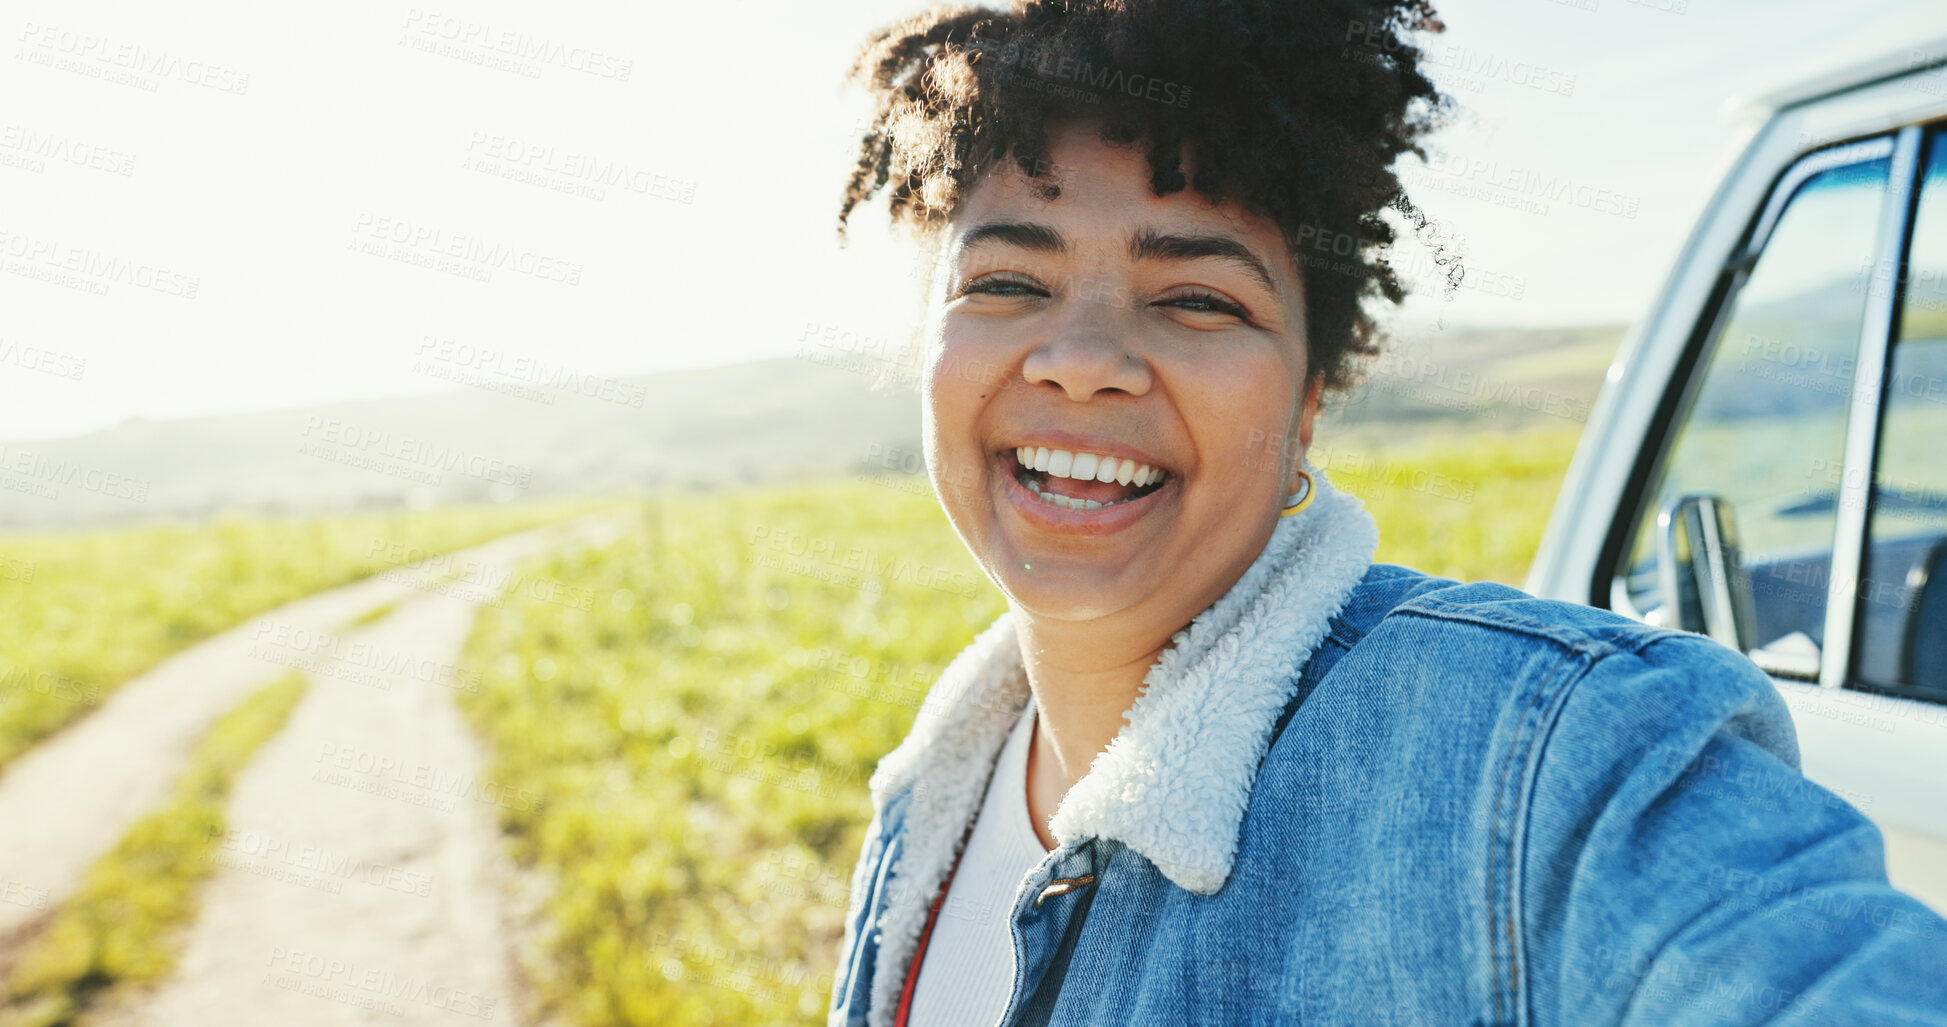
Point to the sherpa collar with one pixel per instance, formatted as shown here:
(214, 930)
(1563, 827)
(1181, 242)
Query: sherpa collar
(1174, 782)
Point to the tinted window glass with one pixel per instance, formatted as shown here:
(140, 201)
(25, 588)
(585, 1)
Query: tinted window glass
(1765, 428)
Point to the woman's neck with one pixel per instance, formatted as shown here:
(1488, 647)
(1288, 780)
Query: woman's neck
(1085, 675)
(1084, 678)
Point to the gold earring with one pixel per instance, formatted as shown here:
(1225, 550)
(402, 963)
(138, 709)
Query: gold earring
(1311, 489)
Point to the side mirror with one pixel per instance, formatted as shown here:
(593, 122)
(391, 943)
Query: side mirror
(1701, 571)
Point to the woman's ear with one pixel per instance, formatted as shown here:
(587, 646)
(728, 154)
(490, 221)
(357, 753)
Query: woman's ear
(1313, 396)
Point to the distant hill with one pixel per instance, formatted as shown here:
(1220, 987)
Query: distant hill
(771, 421)
(1459, 381)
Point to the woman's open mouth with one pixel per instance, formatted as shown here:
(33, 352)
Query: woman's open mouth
(1083, 481)
(1071, 492)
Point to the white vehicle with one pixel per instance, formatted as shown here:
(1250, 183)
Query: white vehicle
(1767, 462)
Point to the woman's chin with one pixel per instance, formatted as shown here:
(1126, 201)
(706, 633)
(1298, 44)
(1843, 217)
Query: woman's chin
(1067, 588)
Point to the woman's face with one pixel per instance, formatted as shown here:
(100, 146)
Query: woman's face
(1108, 325)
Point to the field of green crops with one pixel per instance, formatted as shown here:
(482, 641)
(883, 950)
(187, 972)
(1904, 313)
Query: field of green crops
(703, 737)
(85, 612)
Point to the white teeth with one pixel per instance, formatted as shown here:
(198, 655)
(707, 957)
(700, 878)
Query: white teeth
(1065, 502)
(1060, 463)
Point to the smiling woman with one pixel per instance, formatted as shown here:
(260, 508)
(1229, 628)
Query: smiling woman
(1214, 765)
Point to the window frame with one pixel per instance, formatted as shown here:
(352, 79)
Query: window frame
(1921, 141)
(1868, 414)
(1866, 396)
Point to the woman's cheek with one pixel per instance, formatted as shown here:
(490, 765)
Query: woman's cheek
(1251, 431)
(953, 457)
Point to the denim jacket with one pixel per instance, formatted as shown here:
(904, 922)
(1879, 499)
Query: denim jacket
(1354, 793)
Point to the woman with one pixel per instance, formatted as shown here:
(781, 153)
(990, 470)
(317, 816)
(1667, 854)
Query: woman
(1215, 765)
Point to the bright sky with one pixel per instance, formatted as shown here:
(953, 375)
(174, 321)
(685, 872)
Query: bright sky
(241, 206)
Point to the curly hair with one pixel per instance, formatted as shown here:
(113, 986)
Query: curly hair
(1294, 109)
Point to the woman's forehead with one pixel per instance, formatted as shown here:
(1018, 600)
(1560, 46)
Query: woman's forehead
(1088, 186)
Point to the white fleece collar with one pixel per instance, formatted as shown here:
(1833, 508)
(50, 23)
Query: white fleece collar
(1175, 781)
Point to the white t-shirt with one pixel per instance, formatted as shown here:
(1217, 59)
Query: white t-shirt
(968, 972)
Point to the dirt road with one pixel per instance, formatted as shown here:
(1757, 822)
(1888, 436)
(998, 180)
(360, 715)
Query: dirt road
(362, 880)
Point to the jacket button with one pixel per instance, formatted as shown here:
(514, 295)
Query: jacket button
(1062, 886)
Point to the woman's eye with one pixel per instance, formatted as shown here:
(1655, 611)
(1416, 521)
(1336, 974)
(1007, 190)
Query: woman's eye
(1002, 287)
(1207, 302)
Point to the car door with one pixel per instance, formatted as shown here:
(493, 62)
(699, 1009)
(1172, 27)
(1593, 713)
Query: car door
(1793, 502)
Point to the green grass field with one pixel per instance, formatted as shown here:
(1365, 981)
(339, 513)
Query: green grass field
(703, 738)
(86, 612)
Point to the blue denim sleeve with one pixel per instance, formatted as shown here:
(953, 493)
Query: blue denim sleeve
(850, 995)
(1679, 869)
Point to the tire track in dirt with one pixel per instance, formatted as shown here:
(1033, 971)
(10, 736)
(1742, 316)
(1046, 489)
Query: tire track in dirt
(82, 789)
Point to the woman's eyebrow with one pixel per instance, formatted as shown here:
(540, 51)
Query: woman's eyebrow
(1148, 244)
(1026, 235)
(1144, 244)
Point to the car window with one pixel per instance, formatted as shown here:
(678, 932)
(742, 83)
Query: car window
(1902, 612)
(1762, 431)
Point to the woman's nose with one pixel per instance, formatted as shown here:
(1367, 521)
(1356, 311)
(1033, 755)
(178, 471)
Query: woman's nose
(1084, 356)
